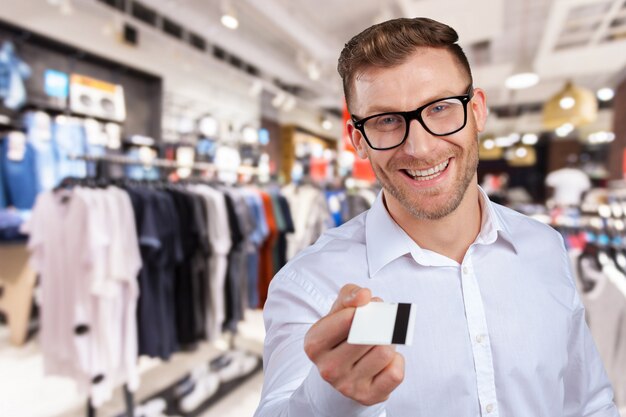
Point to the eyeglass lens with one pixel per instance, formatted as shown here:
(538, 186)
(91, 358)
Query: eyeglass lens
(440, 118)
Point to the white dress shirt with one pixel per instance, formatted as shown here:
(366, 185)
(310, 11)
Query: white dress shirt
(569, 185)
(501, 334)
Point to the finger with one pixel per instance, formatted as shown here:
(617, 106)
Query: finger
(377, 299)
(338, 363)
(390, 377)
(327, 333)
(351, 295)
(374, 361)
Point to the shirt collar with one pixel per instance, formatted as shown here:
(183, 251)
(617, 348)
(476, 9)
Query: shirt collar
(386, 241)
(492, 223)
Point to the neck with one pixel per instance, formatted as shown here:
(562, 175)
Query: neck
(436, 235)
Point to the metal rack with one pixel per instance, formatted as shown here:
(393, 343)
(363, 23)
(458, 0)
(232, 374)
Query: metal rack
(162, 163)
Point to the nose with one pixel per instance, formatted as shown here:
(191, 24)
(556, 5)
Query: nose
(419, 142)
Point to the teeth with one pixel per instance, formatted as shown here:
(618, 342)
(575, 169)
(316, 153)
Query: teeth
(427, 174)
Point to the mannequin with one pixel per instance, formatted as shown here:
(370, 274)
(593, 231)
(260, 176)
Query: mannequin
(569, 183)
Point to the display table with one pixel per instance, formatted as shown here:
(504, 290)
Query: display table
(17, 281)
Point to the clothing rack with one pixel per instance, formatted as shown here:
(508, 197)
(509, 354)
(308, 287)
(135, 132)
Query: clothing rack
(211, 168)
(160, 163)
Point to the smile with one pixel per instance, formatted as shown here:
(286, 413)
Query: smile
(427, 174)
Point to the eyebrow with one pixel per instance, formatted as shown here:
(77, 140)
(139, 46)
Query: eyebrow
(388, 109)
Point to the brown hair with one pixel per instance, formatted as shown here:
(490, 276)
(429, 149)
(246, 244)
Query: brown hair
(390, 43)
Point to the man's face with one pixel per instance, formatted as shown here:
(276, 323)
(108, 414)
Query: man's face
(410, 187)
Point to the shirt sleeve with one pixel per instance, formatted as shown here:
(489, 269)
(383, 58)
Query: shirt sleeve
(292, 385)
(588, 392)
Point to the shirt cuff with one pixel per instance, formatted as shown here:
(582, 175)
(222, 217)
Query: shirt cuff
(323, 400)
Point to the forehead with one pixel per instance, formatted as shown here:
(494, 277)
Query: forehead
(428, 73)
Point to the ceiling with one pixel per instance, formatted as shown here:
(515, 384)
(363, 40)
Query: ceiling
(294, 44)
(581, 40)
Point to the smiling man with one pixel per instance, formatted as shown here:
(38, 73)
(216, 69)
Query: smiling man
(499, 330)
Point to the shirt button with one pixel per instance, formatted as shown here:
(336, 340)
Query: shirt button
(480, 338)
(489, 408)
(465, 270)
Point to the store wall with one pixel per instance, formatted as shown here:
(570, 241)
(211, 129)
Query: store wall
(616, 156)
(274, 145)
(199, 83)
(560, 150)
(142, 90)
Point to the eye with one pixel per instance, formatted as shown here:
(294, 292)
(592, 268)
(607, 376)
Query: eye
(443, 108)
(439, 107)
(387, 121)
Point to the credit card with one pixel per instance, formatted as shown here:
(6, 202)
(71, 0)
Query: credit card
(379, 323)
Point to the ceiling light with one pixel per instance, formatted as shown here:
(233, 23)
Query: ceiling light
(279, 99)
(522, 77)
(564, 130)
(521, 152)
(505, 141)
(605, 94)
(601, 137)
(489, 144)
(229, 16)
(530, 139)
(572, 105)
(327, 124)
(230, 21)
(514, 137)
(567, 102)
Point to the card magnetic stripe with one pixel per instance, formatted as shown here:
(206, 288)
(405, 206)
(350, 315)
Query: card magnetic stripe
(402, 323)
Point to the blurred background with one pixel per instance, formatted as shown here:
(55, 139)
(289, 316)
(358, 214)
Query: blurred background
(230, 114)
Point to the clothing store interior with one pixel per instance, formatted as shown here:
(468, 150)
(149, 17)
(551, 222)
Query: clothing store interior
(207, 143)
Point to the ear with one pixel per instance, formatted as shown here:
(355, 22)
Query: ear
(479, 108)
(357, 140)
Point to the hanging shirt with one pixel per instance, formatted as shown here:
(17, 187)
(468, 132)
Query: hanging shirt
(39, 134)
(310, 214)
(67, 253)
(266, 262)
(606, 315)
(258, 236)
(236, 257)
(219, 237)
(501, 334)
(20, 174)
(3, 192)
(69, 140)
(569, 184)
(161, 249)
(13, 72)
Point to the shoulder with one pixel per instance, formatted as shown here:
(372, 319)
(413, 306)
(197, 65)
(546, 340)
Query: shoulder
(336, 258)
(521, 226)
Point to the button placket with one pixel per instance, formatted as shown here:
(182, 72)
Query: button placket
(478, 332)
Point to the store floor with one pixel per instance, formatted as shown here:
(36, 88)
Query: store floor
(26, 392)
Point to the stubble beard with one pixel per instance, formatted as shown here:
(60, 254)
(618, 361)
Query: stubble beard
(414, 204)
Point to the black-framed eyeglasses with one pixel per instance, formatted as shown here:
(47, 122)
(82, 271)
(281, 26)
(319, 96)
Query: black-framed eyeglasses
(440, 117)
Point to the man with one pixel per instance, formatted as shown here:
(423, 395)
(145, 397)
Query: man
(500, 329)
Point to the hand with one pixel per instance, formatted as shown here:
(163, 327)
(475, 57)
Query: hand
(366, 374)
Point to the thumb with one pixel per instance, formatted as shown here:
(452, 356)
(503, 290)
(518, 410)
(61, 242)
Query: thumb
(351, 295)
